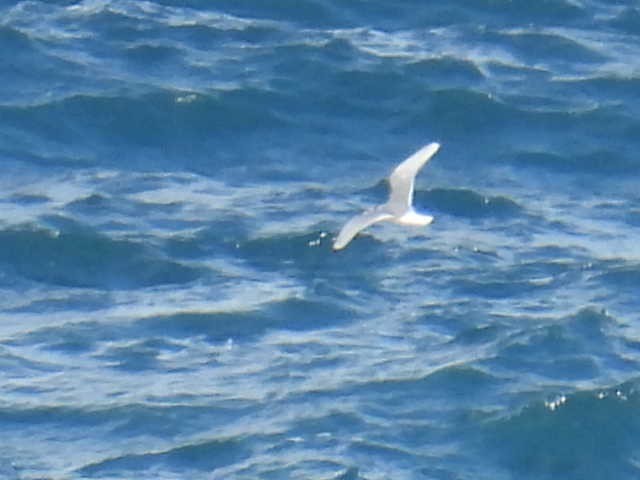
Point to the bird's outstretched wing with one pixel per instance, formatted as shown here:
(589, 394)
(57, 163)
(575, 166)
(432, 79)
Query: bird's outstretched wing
(402, 178)
(359, 223)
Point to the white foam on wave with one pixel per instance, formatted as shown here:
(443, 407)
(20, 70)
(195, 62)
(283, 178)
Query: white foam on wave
(25, 200)
(618, 52)
(432, 44)
(154, 12)
(172, 203)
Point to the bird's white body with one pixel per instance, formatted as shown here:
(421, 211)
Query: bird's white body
(413, 219)
(398, 208)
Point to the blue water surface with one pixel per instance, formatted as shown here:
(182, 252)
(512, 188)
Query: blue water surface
(174, 172)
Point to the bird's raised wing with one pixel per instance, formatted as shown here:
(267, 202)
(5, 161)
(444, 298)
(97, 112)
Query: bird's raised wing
(402, 178)
(357, 224)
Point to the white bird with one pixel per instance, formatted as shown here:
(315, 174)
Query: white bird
(398, 208)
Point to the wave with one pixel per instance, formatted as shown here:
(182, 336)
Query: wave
(87, 259)
(595, 163)
(544, 11)
(446, 72)
(291, 314)
(627, 20)
(143, 119)
(468, 203)
(567, 349)
(205, 456)
(540, 48)
(547, 439)
(101, 130)
(619, 277)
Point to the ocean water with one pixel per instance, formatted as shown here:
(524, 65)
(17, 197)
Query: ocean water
(174, 172)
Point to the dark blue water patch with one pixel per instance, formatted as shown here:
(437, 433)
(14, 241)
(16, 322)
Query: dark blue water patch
(473, 117)
(548, 12)
(302, 257)
(619, 276)
(620, 281)
(525, 279)
(87, 259)
(383, 16)
(323, 85)
(467, 203)
(578, 347)
(374, 91)
(603, 163)
(313, 78)
(204, 456)
(593, 434)
(592, 325)
(627, 21)
(33, 68)
(28, 70)
(308, 66)
(607, 88)
(307, 314)
(306, 13)
(457, 110)
(633, 218)
(153, 57)
(544, 160)
(466, 12)
(15, 153)
(18, 44)
(110, 125)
